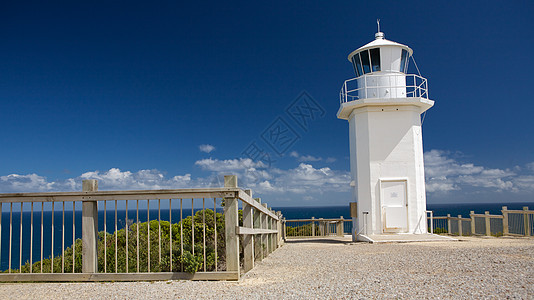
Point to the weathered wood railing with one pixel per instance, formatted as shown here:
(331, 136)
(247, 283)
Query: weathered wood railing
(315, 227)
(156, 250)
(511, 222)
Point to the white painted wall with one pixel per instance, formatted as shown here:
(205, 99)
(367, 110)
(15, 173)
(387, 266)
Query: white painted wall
(353, 170)
(394, 151)
(390, 85)
(390, 57)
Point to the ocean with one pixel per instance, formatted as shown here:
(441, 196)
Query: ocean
(439, 210)
(288, 212)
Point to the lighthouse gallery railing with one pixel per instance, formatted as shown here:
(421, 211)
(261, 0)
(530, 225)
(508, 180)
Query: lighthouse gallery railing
(416, 86)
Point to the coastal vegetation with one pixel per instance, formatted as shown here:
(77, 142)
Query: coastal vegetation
(302, 230)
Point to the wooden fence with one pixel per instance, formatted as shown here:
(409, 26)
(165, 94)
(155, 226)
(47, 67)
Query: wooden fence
(191, 249)
(510, 223)
(316, 227)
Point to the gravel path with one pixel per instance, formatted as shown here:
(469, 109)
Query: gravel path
(471, 268)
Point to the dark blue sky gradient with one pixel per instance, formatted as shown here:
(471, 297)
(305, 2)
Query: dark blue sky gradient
(139, 85)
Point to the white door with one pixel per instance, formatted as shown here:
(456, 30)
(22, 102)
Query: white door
(394, 210)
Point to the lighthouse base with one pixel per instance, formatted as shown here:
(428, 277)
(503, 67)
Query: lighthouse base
(403, 238)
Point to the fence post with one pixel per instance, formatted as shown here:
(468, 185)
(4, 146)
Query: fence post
(264, 237)
(449, 230)
(271, 236)
(313, 227)
(505, 230)
(473, 224)
(284, 236)
(339, 228)
(321, 227)
(487, 221)
(526, 220)
(279, 229)
(431, 221)
(248, 239)
(231, 221)
(90, 229)
(275, 235)
(258, 239)
(460, 231)
(354, 217)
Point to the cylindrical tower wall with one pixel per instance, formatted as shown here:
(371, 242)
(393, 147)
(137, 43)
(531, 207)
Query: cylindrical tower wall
(389, 85)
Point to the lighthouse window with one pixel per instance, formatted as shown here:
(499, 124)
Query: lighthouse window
(404, 57)
(365, 61)
(357, 65)
(354, 66)
(375, 59)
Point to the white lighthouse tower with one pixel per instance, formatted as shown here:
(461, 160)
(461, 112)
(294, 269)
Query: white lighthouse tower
(383, 105)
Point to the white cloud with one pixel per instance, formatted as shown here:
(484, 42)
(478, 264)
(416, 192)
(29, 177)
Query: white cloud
(525, 183)
(228, 165)
(23, 183)
(302, 179)
(114, 178)
(444, 173)
(266, 186)
(305, 179)
(206, 148)
(309, 158)
(15, 183)
(440, 184)
(331, 159)
(304, 158)
(530, 166)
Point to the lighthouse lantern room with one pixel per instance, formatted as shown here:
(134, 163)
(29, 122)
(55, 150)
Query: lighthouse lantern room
(383, 105)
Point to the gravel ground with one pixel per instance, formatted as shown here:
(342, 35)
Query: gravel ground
(471, 268)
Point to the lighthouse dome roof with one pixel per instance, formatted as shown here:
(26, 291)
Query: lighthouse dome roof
(379, 42)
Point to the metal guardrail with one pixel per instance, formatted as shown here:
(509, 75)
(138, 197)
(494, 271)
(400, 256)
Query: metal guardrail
(58, 234)
(413, 86)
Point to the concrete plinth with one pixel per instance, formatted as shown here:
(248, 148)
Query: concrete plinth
(403, 238)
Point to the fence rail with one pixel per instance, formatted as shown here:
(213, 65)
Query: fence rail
(511, 223)
(55, 236)
(316, 227)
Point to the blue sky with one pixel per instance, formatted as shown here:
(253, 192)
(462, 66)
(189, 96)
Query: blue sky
(174, 95)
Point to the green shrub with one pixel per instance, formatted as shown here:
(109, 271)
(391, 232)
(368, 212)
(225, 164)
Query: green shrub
(303, 230)
(439, 230)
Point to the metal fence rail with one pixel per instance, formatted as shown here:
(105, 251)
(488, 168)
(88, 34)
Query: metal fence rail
(155, 235)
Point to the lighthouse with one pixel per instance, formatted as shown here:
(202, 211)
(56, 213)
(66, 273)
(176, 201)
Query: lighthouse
(383, 105)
